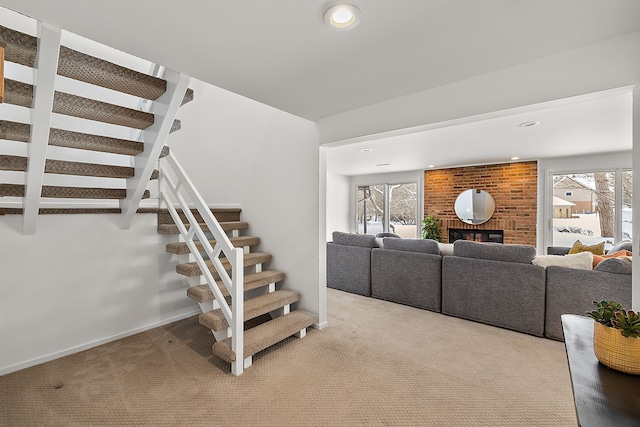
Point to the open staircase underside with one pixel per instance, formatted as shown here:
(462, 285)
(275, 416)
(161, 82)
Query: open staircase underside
(115, 121)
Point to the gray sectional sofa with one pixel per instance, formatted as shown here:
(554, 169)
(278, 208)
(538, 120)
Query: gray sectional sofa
(489, 283)
(495, 284)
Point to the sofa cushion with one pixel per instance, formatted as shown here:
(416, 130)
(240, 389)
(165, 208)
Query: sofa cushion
(362, 240)
(427, 246)
(580, 261)
(578, 246)
(494, 251)
(622, 245)
(615, 265)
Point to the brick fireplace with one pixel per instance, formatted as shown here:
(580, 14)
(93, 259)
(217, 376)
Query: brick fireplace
(512, 185)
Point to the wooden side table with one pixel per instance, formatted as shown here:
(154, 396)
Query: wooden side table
(602, 396)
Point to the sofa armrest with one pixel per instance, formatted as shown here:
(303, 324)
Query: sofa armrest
(349, 268)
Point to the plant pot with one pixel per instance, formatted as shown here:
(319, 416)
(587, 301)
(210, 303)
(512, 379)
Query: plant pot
(615, 350)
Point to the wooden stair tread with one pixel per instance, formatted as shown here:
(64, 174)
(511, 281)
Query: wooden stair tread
(191, 269)
(267, 334)
(202, 293)
(17, 190)
(226, 226)
(181, 248)
(253, 308)
(89, 69)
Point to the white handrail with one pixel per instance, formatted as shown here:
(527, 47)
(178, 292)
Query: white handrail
(175, 189)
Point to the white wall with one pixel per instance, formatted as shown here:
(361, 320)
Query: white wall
(81, 281)
(240, 152)
(338, 205)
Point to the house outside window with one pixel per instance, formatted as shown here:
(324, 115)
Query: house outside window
(600, 208)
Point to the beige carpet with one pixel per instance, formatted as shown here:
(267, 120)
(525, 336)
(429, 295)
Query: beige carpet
(377, 363)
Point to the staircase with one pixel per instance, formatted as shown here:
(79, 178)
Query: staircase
(87, 135)
(268, 317)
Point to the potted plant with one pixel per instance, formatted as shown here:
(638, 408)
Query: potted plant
(616, 336)
(431, 228)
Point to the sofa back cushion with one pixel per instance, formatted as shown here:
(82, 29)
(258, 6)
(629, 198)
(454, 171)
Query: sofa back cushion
(622, 245)
(427, 246)
(494, 251)
(362, 240)
(614, 265)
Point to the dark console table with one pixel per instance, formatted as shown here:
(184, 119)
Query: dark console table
(603, 396)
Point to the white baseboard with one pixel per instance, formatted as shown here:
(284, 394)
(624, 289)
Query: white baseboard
(57, 355)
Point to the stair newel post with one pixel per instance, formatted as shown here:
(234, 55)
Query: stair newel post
(237, 326)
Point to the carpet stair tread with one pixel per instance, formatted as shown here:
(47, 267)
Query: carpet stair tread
(221, 214)
(21, 94)
(191, 269)
(21, 132)
(253, 308)
(19, 47)
(226, 226)
(63, 167)
(202, 293)
(89, 69)
(267, 334)
(17, 190)
(181, 248)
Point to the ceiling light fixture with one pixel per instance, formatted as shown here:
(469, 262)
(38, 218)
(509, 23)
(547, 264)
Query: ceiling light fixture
(383, 164)
(515, 158)
(432, 166)
(529, 124)
(342, 17)
(366, 150)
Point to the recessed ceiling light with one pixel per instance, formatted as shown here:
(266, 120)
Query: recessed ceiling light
(515, 158)
(366, 150)
(342, 17)
(432, 166)
(529, 124)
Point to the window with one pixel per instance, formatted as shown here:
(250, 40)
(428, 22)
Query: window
(599, 210)
(388, 208)
(370, 210)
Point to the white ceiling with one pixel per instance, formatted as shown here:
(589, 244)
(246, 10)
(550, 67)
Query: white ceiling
(280, 53)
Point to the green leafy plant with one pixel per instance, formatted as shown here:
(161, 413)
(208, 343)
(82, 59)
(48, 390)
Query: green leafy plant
(431, 228)
(611, 314)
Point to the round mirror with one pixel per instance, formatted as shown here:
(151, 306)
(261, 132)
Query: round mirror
(474, 206)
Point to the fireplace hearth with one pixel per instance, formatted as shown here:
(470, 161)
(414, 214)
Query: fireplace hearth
(495, 236)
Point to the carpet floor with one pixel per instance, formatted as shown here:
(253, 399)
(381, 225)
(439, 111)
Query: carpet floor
(376, 364)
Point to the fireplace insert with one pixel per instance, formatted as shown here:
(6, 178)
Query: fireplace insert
(495, 236)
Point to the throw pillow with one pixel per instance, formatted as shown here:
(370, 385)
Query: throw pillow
(597, 249)
(597, 259)
(622, 245)
(580, 261)
(621, 265)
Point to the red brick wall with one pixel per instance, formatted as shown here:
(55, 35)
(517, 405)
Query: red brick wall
(512, 185)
